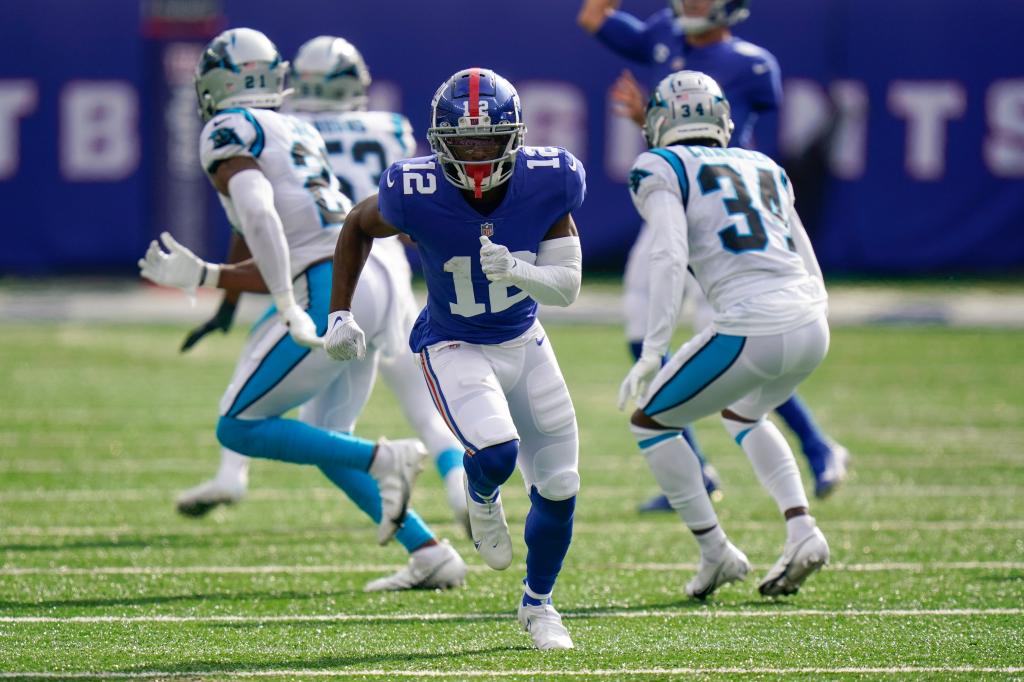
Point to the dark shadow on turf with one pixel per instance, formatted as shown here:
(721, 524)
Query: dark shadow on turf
(83, 544)
(176, 598)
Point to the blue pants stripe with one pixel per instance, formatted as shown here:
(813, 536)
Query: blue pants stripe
(697, 373)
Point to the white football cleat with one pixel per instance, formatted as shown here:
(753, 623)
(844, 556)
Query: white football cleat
(395, 467)
(489, 530)
(798, 561)
(437, 567)
(731, 567)
(203, 498)
(456, 492)
(545, 627)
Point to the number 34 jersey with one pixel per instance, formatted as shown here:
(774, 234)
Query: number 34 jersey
(546, 184)
(738, 206)
(293, 156)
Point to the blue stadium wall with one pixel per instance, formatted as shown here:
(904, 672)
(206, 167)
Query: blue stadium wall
(903, 123)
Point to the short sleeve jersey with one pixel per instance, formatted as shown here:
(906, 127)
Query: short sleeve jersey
(292, 155)
(462, 305)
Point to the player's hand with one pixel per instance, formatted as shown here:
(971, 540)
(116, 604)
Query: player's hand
(628, 98)
(176, 267)
(593, 13)
(495, 260)
(635, 384)
(221, 321)
(301, 327)
(344, 340)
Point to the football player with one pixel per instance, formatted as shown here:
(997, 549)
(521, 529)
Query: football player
(493, 222)
(330, 79)
(695, 34)
(729, 216)
(273, 178)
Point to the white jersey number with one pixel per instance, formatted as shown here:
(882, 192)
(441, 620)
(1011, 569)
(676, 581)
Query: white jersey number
(465, 304)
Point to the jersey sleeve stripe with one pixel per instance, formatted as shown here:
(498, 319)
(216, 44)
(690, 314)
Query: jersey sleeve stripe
(677, 166)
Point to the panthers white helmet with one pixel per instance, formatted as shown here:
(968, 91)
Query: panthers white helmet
(329, 74)
(240, 68)
(687, 105)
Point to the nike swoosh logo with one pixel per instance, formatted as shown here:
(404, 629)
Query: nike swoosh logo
(336, 321)
(476, 544)
(540, 341)
(217, 123)
(391, 183)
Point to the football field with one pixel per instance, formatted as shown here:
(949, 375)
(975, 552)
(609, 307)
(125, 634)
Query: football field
(102, 425)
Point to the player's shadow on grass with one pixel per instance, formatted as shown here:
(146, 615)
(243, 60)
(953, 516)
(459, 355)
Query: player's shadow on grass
(80, 544)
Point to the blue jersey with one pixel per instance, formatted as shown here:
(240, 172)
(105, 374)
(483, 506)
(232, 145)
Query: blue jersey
(546, 184)
(749, 75)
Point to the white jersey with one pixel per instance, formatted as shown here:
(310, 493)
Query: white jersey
(293, 156)
(361, 145)
(744, 242)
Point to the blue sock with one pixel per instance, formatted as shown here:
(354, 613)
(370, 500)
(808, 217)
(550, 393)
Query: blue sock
(362, 489)
(548, 534)
(812, 440)
(448, 459)
(488, 468)
(289, 440)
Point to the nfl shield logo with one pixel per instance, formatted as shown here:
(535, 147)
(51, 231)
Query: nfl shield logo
(487, 229)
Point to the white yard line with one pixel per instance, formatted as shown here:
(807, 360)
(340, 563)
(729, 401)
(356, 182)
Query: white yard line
(638, 525)
(441, 617)
(485, 674)
(597, 492)
(274, 569)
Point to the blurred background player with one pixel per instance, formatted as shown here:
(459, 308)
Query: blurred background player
(273, 179)
(767, 334)
(695, 34)
(485, 356)
(330, 79)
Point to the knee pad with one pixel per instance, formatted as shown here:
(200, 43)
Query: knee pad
(236, 434)
(739, 430)
(558, 487)
(554, 510)
(491, 466)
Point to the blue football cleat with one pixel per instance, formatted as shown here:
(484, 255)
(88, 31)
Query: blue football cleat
(833, 473)
(659, 503)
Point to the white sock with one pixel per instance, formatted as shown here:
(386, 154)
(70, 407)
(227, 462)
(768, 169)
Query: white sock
(536, 595)
(677, 470)
(799, 527)
(234, 468)
(773, 461)
(712, 543)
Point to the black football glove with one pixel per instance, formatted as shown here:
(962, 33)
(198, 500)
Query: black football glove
(221, 321)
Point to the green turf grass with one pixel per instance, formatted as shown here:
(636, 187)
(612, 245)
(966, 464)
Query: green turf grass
(100, 427)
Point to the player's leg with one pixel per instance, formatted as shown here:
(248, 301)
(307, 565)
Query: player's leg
(705, 375)
(828, 460)
(403, 376)
(275, 375)
(549, 459)
(467, 394)
(228, 486)
(789, 359)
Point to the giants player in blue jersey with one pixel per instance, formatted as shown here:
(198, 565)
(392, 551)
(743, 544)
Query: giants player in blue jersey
(485, 357)
(696, 35)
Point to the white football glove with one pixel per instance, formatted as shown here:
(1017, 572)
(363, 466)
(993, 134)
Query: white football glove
(495, 260)
(635, 384)
(177, 267)
(344, 340)
(300, 326)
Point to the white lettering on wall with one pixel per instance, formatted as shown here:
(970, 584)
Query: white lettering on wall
(1004, 145)
(849, 151)
(99, 130)
(927, 106)
(556, 114)
(18, 99)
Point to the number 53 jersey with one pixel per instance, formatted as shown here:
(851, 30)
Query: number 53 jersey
(546, 184)
(292, 155)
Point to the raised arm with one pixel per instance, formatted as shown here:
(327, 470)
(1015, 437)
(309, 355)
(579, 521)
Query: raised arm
(619, 31)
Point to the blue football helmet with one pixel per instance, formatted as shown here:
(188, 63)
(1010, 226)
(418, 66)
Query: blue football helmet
(476, 129)
(722, 13)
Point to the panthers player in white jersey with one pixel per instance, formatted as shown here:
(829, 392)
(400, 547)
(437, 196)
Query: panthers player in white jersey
(728, 215)
(275, 183)
(330, 79)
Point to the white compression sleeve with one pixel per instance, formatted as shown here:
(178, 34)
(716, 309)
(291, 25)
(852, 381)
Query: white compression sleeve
(555, 279)
(253, 198)
(665, 216)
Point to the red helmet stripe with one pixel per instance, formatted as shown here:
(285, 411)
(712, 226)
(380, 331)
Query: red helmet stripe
(474, 92)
